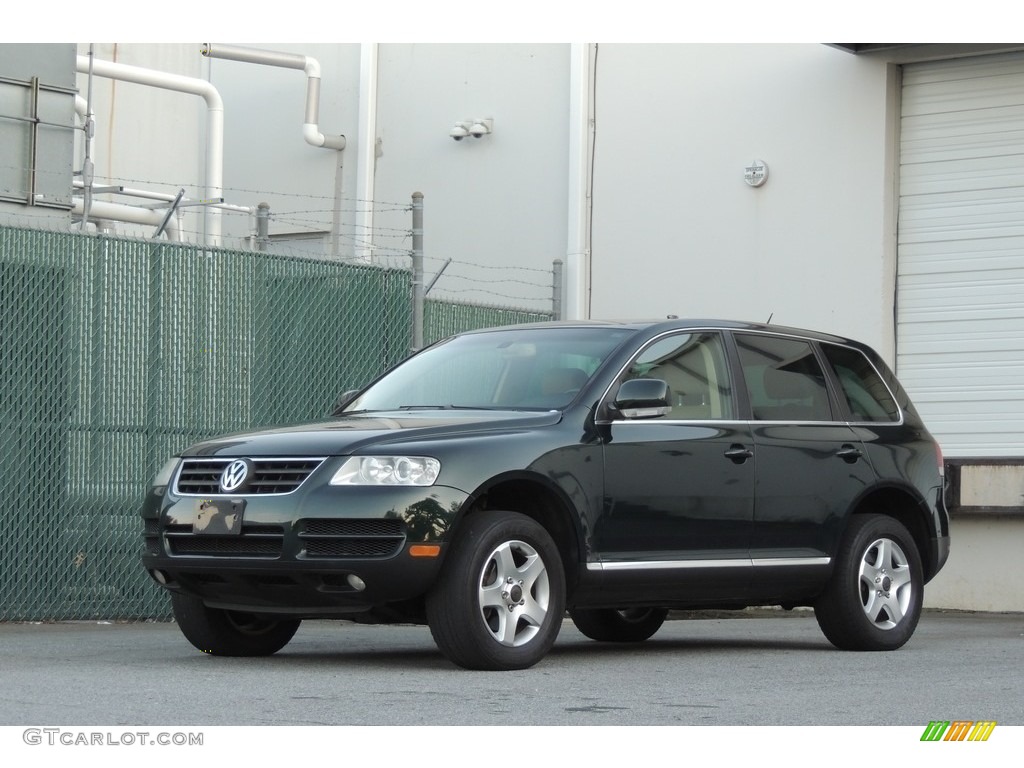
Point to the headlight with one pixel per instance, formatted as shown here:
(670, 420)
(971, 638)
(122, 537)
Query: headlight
(163, 477)
(387, 470)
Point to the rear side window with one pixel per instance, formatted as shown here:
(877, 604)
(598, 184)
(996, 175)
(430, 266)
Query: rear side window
(783, 377)
(866, 394)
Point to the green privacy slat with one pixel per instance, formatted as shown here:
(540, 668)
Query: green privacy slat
(117, 353)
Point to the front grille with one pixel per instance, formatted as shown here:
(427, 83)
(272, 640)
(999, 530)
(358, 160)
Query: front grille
(352, 538)
(262, 541)
(151, 536)
(223, 546)
(201, 477)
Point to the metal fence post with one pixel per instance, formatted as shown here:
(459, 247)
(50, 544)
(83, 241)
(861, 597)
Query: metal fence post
(417, 271)
(262, 226)
(557, 278)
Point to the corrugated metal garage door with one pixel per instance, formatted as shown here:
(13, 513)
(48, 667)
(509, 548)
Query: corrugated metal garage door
(960, 321)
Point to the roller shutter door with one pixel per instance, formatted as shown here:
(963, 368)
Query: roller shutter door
(960, 300)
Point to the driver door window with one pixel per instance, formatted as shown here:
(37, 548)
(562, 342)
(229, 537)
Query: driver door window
(693, 365)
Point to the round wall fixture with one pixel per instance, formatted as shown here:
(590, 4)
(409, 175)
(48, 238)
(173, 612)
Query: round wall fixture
(756, 173)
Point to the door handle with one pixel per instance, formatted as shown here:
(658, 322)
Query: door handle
(849, 453)
(738, 453)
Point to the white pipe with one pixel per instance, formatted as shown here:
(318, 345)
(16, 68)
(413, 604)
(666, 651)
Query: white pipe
(82, 109)
(310, 129)
(127, 213)
(214, 123)
(366, 157)
(577, 266)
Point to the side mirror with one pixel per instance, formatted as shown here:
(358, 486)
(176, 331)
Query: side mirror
(643, 399)
(344, 399)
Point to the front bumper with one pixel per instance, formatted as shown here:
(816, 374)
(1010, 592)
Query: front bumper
(323, 551)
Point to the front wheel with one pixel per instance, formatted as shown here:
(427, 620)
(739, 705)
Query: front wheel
(873, 601)
(499, 601)
(230, 633)
(631, 625)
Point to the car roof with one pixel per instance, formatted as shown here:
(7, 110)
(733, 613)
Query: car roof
(672, 323)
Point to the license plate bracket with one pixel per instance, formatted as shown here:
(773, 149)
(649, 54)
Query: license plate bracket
(218, 517)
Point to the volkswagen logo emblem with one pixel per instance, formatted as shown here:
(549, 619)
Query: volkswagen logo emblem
(234, 476)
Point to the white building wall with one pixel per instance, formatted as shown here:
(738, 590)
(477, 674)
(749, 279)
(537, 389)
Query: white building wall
(676, 228)
(494, 202)
(496, 205)
(985, 571)
(266, 159)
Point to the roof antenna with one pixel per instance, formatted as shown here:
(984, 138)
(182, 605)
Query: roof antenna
(770, 318)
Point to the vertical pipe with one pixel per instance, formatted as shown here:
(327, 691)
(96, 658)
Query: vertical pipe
(262, 226)
(581, 147)
(88, 170)
(33, 143)
(417, 271)
(557, 282)
(366, 157)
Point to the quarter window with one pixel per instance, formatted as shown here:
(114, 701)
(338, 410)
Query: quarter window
(866, 394)
(693, 366)
(784, 380)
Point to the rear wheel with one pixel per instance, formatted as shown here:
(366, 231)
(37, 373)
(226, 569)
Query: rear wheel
(631, 625)
(499, 601)
(873, 601)
(230, 633)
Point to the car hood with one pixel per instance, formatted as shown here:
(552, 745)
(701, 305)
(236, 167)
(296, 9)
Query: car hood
(348, 434)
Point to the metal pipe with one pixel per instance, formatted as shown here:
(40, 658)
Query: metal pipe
(33, 141)
(557, 286)
(417, 271)
(88, 169)
(129, 214)
(214, 123)
(581, 127)
(310, 129)
(262, 226)
(366, 150)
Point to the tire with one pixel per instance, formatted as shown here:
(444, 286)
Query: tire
(500, 598)
(632, 625)
(873, 601)
(230, 633)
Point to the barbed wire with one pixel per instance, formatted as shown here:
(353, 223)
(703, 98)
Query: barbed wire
(301, 230)
(198, 191)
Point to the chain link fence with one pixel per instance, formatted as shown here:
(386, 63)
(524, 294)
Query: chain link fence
(115, 354)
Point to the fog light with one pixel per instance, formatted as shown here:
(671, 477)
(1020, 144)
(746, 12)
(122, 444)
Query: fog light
(160, 577)
(356, 583)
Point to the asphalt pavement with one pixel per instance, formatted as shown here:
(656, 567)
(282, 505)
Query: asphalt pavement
(758, 668)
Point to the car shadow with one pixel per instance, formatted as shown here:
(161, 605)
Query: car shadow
(567, 649)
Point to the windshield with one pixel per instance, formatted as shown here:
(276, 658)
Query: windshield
(539, 368)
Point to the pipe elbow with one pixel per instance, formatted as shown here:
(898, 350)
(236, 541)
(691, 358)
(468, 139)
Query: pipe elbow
(311, 133)
(311, 67)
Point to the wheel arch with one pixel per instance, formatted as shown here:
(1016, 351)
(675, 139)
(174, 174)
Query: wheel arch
(905, 506)
(540, 499)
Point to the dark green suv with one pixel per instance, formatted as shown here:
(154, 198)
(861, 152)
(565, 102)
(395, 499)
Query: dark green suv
(502, 477)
